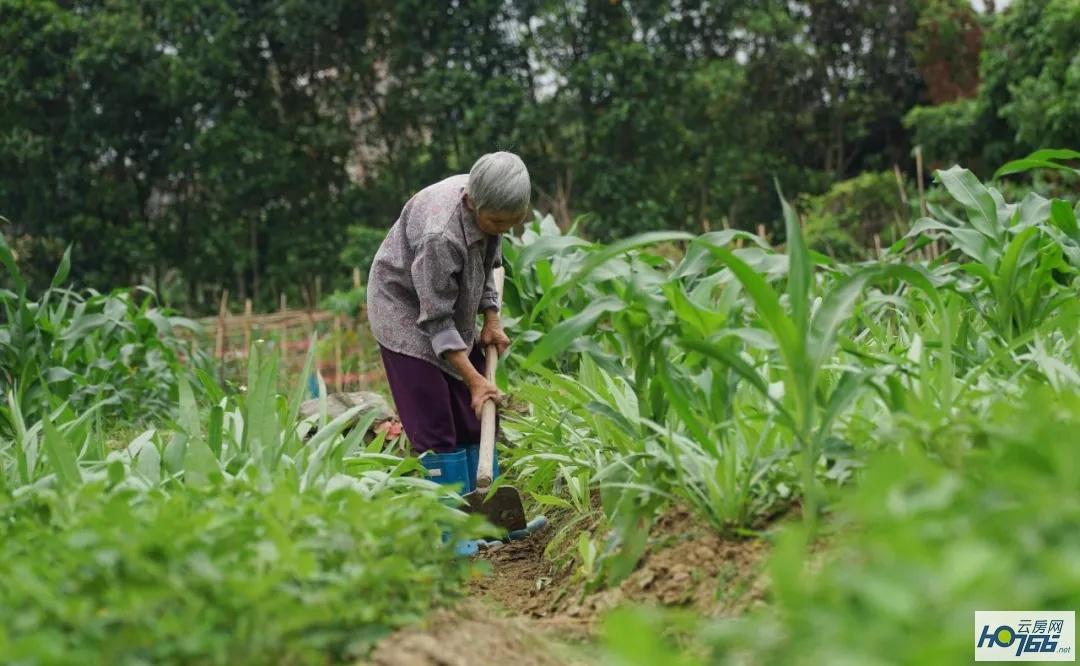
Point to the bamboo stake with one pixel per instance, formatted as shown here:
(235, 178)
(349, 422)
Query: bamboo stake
(339, 376)
(354, 324)
(900, 184)
(919, 175)
(247, 327)
(283, 327)
(219, 347)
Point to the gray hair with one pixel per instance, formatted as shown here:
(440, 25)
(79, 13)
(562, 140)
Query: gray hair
(500, 182)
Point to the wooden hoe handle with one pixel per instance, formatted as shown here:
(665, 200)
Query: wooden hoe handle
(487, 415)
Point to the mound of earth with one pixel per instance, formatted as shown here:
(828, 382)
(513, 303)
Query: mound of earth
(687, 564)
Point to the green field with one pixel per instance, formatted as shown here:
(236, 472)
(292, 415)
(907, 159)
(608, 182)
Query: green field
(792, 289)
(895, 437)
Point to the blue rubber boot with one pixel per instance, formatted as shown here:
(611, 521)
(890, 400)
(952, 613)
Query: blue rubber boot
(473, 452)
(448, 468)
(534, 525)
(452, 469)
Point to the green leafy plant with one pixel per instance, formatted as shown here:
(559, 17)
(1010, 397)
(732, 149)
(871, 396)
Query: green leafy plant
(118, 351)
(253, 573)
(916, 548)
(1019, 260)
(241, 535)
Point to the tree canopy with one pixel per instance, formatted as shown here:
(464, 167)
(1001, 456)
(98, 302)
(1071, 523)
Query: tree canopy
(198, 144)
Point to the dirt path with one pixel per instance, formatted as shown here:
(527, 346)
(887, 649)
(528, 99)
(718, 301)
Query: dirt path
(474, 633)
(530, 612)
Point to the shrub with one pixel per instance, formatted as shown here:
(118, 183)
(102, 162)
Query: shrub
(361, 244)
(948, 132)
(842, 222)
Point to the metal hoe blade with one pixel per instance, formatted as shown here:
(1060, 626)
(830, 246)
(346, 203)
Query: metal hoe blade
(503, 509)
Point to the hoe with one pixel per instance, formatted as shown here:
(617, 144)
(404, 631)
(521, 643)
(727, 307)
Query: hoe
(503, 506)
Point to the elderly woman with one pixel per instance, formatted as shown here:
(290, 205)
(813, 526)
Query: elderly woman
(431, 278)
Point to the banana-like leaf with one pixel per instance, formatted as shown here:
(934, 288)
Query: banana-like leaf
(1064, 217)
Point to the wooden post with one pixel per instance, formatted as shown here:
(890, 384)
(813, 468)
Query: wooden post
(877, 245)
(318, 290)
(356, 277)
(919, 175)
(219, 347)
(283, 329)
(900, 183)
(247, 327)
(339, 375)
(761, 232)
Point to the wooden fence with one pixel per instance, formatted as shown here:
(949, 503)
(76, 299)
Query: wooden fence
(346, 356)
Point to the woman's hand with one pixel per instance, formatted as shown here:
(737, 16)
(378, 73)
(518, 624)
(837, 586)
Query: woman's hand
(482, 390)
(492, 333)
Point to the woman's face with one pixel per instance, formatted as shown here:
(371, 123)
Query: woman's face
(494, 223)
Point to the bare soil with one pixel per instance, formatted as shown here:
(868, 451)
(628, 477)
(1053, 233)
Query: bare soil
(528, 611)
(473, 634)
(687, 564)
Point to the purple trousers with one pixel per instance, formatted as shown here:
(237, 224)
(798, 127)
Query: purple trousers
(435, 409)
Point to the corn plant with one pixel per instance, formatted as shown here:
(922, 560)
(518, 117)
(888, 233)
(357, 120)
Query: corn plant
(806, 340)
(255, 436)
(118, 351)
(1018, 260)
(919, 545)
(684, 351)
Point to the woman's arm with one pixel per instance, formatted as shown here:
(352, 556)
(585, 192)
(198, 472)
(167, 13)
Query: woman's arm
(433, 269)
(492, 333)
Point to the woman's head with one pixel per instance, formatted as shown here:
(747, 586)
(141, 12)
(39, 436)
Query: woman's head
(499, 191)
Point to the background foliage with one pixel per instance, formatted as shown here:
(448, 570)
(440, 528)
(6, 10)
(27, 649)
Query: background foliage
(204, 143)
